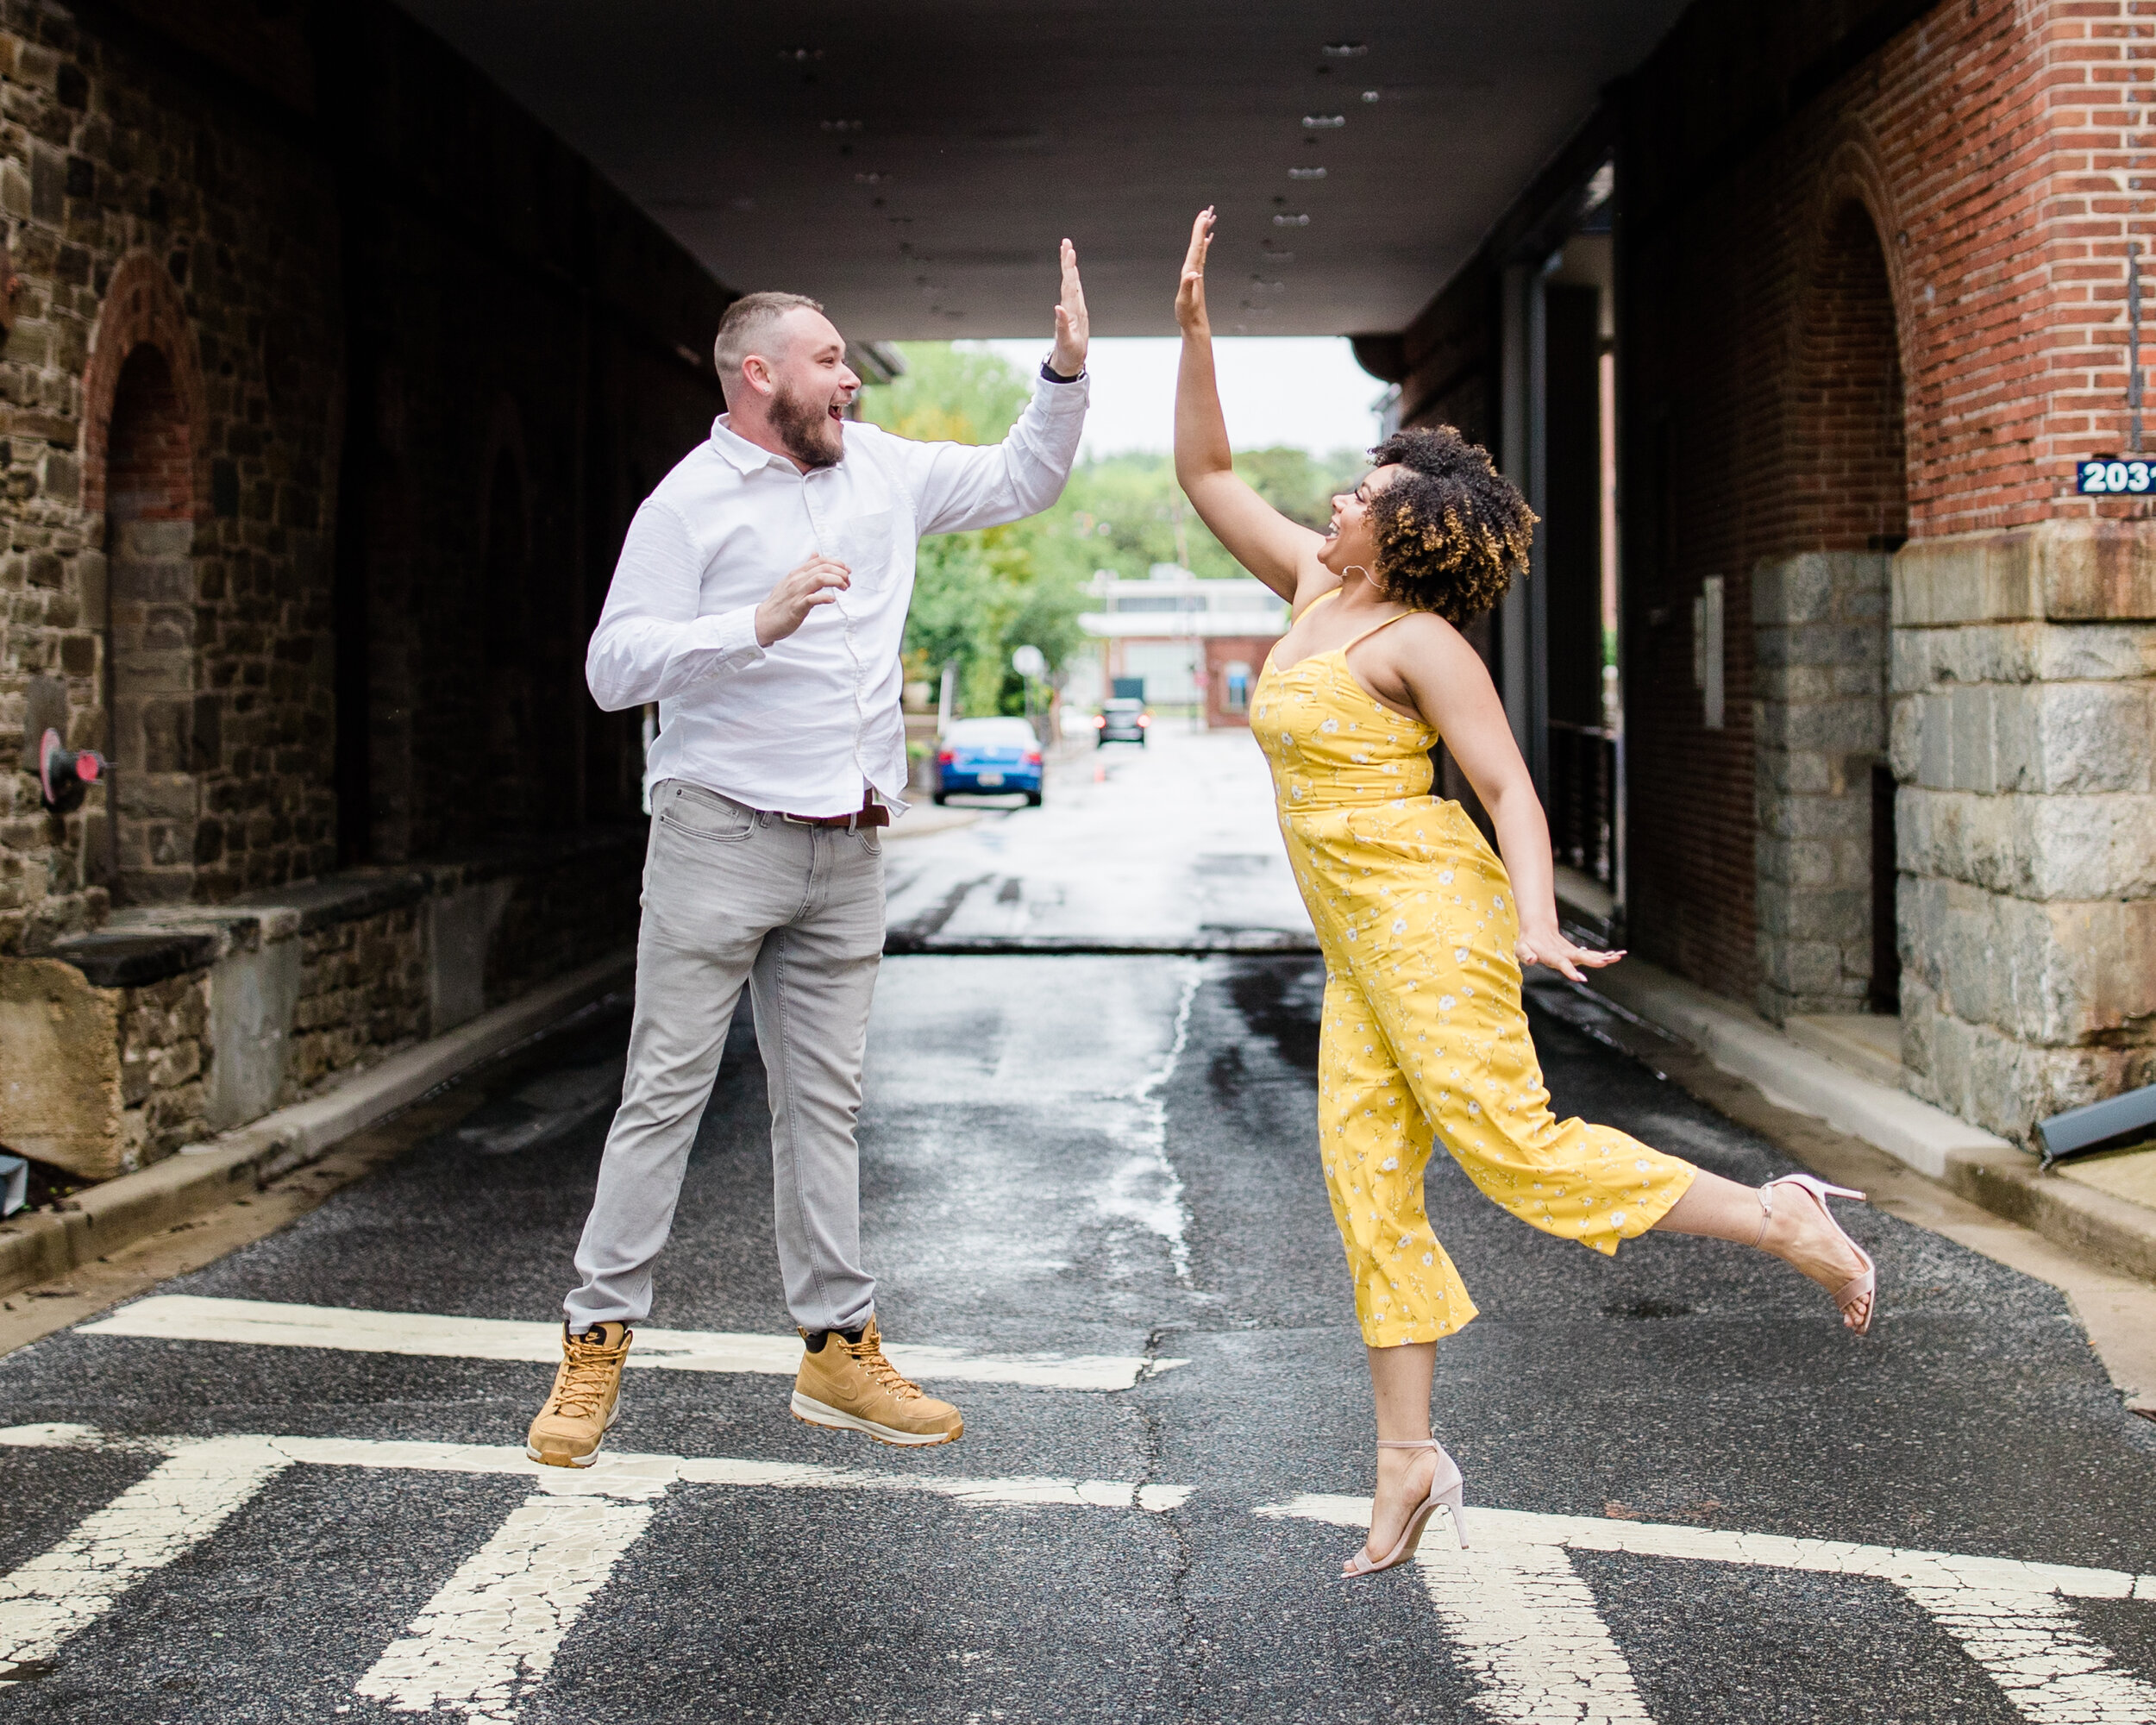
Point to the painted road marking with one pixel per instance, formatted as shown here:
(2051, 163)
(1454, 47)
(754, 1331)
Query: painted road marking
(624, 1473)
(1515, 1606)
(487, 1639)
(269, 1323)
(1528, 1632)
(160, 1518)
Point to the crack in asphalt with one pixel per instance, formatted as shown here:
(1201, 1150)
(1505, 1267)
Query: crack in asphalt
(1184, 1645)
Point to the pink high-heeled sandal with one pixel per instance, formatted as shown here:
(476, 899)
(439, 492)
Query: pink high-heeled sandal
(1443, 1489)
(1864, 1286)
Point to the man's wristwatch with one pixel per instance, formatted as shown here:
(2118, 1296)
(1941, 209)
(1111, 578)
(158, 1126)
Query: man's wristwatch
(1049, 371)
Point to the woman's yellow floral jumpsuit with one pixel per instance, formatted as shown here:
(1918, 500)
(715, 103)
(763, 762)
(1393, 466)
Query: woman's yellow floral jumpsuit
(1422, 1027)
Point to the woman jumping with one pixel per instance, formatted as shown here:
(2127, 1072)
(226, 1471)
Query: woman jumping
(1425, 931)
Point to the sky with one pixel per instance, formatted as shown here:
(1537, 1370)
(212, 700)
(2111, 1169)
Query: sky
(1301, 392)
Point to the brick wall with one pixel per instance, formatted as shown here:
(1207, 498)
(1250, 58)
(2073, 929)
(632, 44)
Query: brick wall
(1221, 651)
(1871, 287)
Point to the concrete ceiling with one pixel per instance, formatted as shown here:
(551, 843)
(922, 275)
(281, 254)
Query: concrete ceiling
(913, 162)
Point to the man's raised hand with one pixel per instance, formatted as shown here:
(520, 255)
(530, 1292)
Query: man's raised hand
(1190, 290)
(1073, 329)
(787, 607)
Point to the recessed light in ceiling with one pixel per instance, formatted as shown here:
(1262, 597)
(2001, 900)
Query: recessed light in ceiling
(1267, 255)
(744, 203)
(1371, 95)
(1346, 50)
(1284, 220)
(872, 179)
(1323, 123)
(840, 125)
(799, 56)
(1306, 173)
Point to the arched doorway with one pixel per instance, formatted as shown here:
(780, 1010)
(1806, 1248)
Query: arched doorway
(1826, 795)
(157, 744)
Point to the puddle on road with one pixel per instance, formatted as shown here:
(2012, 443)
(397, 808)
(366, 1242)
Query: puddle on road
(1146, 1190)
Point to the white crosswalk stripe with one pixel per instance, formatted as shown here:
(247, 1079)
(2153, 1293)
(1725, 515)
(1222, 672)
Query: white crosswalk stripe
(487, 1640)
(1524, 1622)
(184, 1500)
(269, 1323)
(1537, 1663)
(489, 1635)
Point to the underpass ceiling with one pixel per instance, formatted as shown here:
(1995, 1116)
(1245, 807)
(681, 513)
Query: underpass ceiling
(913, 165)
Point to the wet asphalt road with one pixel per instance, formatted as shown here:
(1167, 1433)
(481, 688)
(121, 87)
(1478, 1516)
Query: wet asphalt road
(1107, 1156)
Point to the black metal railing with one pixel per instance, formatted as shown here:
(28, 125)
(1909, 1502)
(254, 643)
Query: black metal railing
(1583, 798)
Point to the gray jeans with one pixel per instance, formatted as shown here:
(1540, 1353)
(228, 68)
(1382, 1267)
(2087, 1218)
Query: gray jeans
(734, 895)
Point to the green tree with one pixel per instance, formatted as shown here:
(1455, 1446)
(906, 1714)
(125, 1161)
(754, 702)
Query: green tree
(979, 596)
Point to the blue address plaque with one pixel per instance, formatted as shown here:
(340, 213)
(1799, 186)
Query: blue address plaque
(2113, 476)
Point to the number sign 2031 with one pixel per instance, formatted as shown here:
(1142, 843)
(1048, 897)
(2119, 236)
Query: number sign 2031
(2111, 478)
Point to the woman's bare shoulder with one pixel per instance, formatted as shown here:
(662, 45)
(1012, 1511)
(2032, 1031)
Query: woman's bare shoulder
(1421, 633)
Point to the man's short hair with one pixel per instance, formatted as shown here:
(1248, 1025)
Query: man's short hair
(748, 321)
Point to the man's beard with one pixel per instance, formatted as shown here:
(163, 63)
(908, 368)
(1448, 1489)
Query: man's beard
(805, 428)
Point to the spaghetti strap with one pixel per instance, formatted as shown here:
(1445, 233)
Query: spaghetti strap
(1345, 648)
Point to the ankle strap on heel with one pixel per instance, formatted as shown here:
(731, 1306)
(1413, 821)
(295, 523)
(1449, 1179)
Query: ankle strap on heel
(1409, 1444)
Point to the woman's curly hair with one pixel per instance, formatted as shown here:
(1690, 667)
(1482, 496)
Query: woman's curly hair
(1450, 529)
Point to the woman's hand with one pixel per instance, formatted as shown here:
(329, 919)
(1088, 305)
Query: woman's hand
(1190, 292)
(1545, 945)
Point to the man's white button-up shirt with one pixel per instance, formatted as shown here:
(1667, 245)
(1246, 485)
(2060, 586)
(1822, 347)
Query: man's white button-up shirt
(806, 724)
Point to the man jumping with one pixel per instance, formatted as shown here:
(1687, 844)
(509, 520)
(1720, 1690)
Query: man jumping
(780, 745)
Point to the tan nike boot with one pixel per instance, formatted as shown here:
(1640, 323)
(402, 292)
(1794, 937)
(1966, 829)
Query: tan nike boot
(852, 1386)
(587, 1397)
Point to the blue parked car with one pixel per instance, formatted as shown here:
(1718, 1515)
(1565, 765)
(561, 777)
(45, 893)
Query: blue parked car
(992, 756)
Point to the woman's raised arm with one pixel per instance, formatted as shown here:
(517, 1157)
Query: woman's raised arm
(1281, 553)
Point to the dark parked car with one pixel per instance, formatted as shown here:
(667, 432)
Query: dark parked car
(1121, 721)
(992, 755)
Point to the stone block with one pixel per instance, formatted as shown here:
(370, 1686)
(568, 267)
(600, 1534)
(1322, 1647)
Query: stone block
(460, 939)
(2086, 847)
(2097, 571)
(2077, 738)
(253, 996)
(1905, 738)
(59, 1084)
(1970, 746)
(1789, 590)
(2092, 653)
(1965, 578)
(1838, 726)
(1935, 741)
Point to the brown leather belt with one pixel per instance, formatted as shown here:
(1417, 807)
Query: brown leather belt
(870, 813)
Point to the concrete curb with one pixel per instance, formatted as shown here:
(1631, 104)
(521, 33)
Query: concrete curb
(41, 1246)
(1975, 1164)
(900, 943)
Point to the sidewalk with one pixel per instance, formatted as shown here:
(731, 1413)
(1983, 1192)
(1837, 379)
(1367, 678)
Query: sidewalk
(1841, 1073)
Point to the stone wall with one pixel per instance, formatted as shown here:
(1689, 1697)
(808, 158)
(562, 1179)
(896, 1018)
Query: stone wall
(1820, 726)
(176, 1022)
(335, 381)
(2024, 736)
